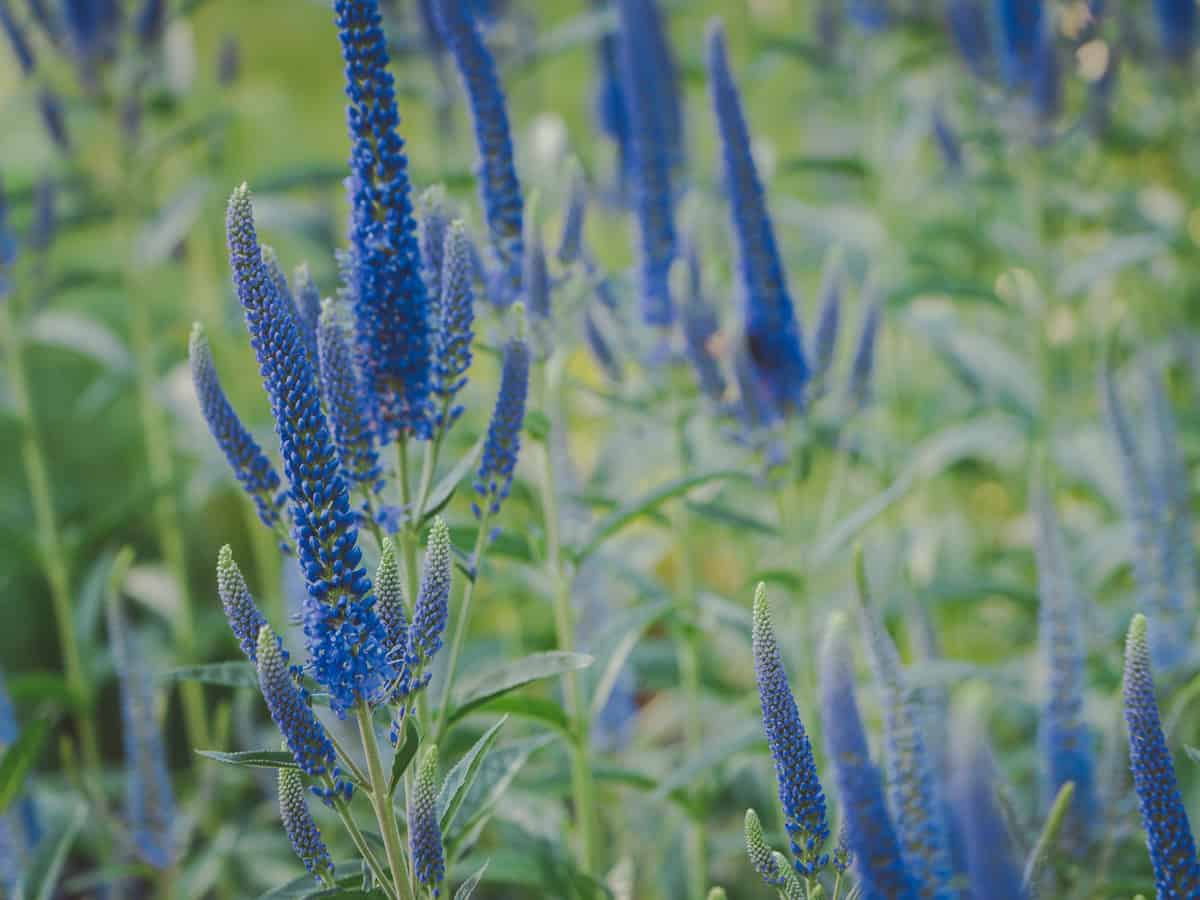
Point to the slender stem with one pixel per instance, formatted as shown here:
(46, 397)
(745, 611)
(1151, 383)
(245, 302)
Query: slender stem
(379, 798)
(347, 760)
(582, 784)
(368, 853)
(433, 451)
(51, 550)
(460, 626)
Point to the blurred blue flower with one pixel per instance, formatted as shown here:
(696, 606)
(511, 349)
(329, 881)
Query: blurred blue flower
(1018, 32)
(967, 23)
(772, 330)
(1176, 27)
(432, 608)
(499, 187)
(503, 444)
(346, 405)
(453, 329)
(1168, 832)
(700, 327)
(859, 384)
(870, 834)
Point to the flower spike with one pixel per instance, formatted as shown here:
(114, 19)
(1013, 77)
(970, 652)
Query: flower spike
(424, 829)
(240, 609)
(503, 444)
(300, 828)
(344, 402)
(453, 330)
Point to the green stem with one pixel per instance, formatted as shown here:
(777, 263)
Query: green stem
(51, 550)
(460, 626)
(360, 842)
(379, 799)
(582, 784)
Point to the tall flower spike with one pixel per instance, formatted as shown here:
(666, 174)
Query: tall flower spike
(240, 609)
(149, 797)
(433, 220)
(343, 395)
(599, 345)
(300, 828)
(829, 317)
(800, 791)
(870, 834)
(391, 312)
(432, 608)
(912, 785)
(499, 188)
(307, 299)
(862, 367)
(503, 444)
(305, 736)
(1168, 832)
(454, 328)
(1063, 738)
(344, 636)
(424, 830)
(390, 604)
(1018, 29)
(250, 464)
(1169, 623)
(652, 155)
(771, 328)
(991, 865)
(570, 241)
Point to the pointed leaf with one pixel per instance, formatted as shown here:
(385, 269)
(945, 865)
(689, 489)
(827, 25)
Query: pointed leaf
(227, 674)
(18, 760)
(404, 753)
(467, 888)
(444, 490)
(498, 680)
(459, 779)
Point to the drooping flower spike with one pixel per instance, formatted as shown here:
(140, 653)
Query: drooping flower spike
(771, 328)
(391, 308)
(652, 155)
(800, 792)
(494, 479)
(345, 404)
(344, 636)
(250, 464)
(424, 829)
(913, 795)
(870, 834)
(499, 187)
(300, 828)
(1168, 832)
(1063, 738)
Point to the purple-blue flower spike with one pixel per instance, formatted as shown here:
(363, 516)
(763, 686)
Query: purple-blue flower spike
(870, 834)
(344, 399)
(913, 794)
(432, 223)
(432, 608)
(570, 241)
(800, 792)
(391, 308)
(1018, 30)
(424, 829)
(772, 867)
(300, 828)
(651, 158)
(992, 867)
(307, 298)
(1063, 738)
(1170, 622)
(772, 330)
(1177, 28)
(304, 734)
(345, 638)
(250, 464)
(149, 797)
(499, 187)
(453, 330)
(1168, 832)
(502, 446)
(241, 611)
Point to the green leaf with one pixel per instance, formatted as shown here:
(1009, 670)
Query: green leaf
(537, 709)
(738, 521)
(537, 425)
(498, 680)
(1046, 840)
(443, 491)
(621, 649)
(304, 887)
(172, 224)
(497, 772)
(624, 515)
(707, 759)
(82, 334)
(404, 753)
(19, 758)
(228, 674)
(467, 888)
(459, 779)
(253, 759)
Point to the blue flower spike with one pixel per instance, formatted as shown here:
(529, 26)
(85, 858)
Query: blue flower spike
(345, 404)
(1168, 832)
(300, 828)
(800, 792)
(771, 329)
(453, 330)
(770, 865)
(502, 446)
(243, 614)
(424, 829)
